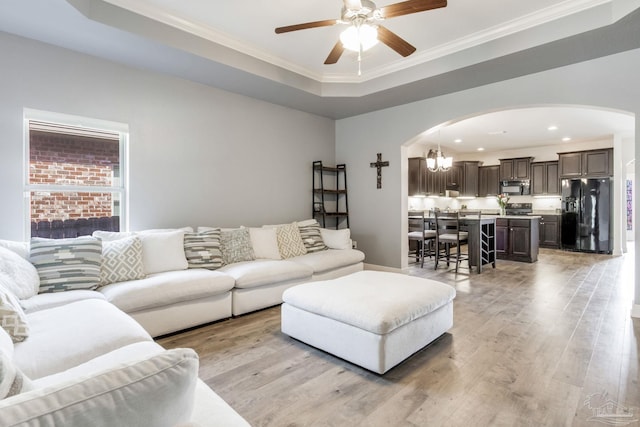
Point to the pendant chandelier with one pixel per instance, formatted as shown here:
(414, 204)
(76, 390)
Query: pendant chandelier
(437, 162)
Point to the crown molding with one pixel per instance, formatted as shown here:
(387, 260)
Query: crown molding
(197, 28)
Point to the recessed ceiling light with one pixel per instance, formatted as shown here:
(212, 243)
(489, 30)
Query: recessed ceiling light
(457, 141)
(566, 139)
(552, 127)
(497, 132)
(480, 149)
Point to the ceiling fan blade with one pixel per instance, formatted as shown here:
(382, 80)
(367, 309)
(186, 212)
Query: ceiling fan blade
(315, 24)
(335, 54)
(394, 41)
(353, 4)
(411, 6)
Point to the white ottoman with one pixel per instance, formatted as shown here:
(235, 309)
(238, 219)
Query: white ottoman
(371, 318)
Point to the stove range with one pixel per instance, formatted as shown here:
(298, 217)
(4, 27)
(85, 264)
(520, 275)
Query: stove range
(519, 208)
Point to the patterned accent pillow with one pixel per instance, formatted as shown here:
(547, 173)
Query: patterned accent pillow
(311, 237)
(202, 249)
(289, 241)
(121, 260)
(12, 317)
(12, 380)
(236, 246)
(67, 264)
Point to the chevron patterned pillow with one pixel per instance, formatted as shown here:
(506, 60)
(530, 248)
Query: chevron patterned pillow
(12, 317)
(121, 260)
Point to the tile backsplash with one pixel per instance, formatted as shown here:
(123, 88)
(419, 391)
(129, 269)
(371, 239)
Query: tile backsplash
(489, 204)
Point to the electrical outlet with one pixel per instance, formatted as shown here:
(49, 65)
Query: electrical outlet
(354, 244)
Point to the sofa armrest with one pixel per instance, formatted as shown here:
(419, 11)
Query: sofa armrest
(155, 391)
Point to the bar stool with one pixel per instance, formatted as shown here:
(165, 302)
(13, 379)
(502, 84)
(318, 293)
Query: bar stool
(448, 235)
(420, 233)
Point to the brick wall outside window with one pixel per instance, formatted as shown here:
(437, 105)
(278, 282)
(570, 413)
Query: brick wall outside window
(60, 159)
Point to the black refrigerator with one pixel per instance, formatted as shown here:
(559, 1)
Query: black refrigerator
(586, 215)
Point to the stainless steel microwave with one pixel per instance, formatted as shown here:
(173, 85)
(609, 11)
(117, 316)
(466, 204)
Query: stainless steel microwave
(515, 188)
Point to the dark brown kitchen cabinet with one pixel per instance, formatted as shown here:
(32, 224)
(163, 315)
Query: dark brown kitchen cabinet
(435, 183)
(453, 177)
(550, 231)
(545, 179)
(517, 239)
(488, 181)
(463, 177)
(515, 169)
(417, 176)
(592, 163)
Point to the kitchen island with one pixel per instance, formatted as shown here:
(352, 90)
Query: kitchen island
(481, 242)
(517, 237)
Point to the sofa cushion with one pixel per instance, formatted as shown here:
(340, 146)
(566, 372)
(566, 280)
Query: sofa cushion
(66, 264)
(121, 260)
(263, 272)
(330, 259)
(311, 236)
(66, 336)
(138, 350)
(236, 246)
(25, 281)
(154, 391)
(170, 287)
(6, 343)
(12, 317)
(264, 242)
(56, 299)
(375, 301)
(163, 251)
(202, 249)
(12, 380)
(336, 239)
(20, 248)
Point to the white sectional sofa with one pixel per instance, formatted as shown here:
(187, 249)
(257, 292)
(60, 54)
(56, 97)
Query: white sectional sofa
(90, 351)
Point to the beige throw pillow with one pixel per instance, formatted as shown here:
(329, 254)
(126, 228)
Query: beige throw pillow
(289, 241)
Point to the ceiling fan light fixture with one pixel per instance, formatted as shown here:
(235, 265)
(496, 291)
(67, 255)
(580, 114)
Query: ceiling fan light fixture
(358, 37)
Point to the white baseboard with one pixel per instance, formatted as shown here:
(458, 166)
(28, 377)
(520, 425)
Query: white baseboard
(635, 310)
(376, 267)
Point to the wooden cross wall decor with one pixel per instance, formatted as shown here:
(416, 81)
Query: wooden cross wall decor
(379, 164)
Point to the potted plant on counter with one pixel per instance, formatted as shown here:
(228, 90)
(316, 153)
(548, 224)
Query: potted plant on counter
(503, 199)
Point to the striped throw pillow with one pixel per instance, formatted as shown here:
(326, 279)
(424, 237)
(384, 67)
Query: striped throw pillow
(203, 250)
(67, 264)
(311, 237)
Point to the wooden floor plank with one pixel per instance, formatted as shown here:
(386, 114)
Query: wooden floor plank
(530, 345)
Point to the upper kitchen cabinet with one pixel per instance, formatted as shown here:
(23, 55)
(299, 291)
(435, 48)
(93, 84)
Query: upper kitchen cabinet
(463, 177)
(417, 176)
(512, 169)
(423, 182)
(586, 163)
(545, 179)
(489, 181)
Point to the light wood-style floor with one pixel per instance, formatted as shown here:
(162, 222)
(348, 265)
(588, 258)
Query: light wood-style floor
(541, 344)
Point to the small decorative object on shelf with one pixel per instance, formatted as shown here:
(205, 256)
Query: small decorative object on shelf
(503, 199)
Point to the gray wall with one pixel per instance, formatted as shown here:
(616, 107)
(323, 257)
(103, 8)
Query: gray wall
(377, 215)
(198, 156)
